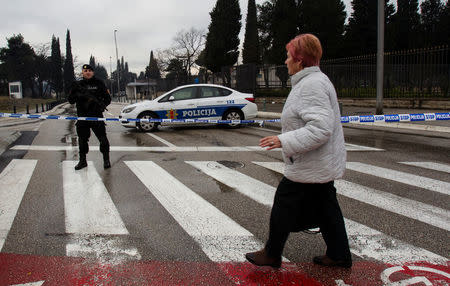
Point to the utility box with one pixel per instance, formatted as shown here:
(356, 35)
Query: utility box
(15, 89)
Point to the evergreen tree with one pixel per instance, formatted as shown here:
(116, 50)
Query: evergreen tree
(92, 62)
(42, 69)
(18, 61)
(361, 31)
(406, 25)
(69, 75)
(284, 28)
(101, 73)
(125, 75)
(56, 67)
(99, 70)
(250, 52)
(121, 69)
(222, 40)
(329, 32)
(430, 16)
(444, 24)
(152, 70)
(176, 71)
(265, 11)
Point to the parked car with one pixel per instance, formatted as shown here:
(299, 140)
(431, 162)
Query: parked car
(198, 101)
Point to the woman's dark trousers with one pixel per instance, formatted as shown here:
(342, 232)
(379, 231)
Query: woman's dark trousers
(299, 206)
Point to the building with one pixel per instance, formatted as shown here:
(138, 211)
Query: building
(141, 89)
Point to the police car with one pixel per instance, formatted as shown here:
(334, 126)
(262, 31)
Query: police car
(197, 101)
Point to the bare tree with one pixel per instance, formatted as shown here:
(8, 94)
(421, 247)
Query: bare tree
(163, 58)
(188, 46)
(42, 67)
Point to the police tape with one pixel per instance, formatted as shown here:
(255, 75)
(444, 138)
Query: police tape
(344, 119)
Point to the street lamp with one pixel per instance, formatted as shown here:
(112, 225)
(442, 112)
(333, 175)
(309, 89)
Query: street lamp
(380, 57)
(110, 73)
(118, 65)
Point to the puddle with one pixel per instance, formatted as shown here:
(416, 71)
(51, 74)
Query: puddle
(231, 164)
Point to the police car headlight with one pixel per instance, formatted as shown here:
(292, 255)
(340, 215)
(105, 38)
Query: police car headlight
(128, 110)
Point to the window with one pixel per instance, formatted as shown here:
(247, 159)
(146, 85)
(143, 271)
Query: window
(14, 89)
(182, 94)
(225, 92)
(208, 91)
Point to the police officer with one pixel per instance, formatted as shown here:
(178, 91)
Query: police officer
(91, 97)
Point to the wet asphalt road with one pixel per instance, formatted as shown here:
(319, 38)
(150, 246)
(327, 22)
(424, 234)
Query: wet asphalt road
(39, 227)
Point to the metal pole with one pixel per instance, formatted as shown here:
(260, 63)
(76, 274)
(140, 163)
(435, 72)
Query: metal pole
(380, 57)
(110, 73)
(118, 65)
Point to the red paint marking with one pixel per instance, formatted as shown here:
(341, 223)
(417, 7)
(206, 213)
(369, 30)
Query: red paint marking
(434, 277)
(362, 273)
(19, 269)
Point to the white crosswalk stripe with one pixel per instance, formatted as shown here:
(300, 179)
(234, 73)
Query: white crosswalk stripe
(95, 227)
(172, 148)
(353, 147)
(257, 190)
(364, 241)
(430, 165)
(86, 200)
(13, 181)
(416, 210)
(401, 177)
(220, 237)
(90, 212)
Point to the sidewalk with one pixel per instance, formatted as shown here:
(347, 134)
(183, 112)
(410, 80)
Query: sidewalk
(439, 128)
(8, 137)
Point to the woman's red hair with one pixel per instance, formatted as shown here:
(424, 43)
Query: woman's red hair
(305, 48)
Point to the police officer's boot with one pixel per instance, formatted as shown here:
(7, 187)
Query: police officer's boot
(106, 163)
(82, 163)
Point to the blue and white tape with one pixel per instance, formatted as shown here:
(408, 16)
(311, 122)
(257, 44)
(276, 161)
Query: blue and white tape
(344, 119)
(396, 117)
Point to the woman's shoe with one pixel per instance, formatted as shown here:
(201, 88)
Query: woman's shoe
(261, 258)
(326, 261)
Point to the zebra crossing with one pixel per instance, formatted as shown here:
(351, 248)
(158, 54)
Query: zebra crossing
(91, 216)
(95, 227)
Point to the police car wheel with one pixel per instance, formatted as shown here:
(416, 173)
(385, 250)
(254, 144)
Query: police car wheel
(147, 126)
(233, 115)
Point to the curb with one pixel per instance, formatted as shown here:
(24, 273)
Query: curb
(433, 128)
(270, 115)
(5, 141)
(395, 125)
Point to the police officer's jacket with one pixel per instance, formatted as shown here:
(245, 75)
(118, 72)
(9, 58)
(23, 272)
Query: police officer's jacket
(91, 97)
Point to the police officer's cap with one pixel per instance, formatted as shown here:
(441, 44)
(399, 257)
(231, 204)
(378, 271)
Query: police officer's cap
(87, 67)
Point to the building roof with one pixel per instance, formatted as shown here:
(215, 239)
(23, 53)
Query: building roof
(150, 83)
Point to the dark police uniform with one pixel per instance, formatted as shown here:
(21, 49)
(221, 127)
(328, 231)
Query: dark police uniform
(91, 97)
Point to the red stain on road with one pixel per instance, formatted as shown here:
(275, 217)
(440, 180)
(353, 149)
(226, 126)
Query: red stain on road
(20, 269)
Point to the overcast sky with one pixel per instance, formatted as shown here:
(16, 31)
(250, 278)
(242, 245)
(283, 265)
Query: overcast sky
(142, 25)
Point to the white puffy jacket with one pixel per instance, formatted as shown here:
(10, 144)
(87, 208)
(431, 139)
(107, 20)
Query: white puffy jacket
(312, 138)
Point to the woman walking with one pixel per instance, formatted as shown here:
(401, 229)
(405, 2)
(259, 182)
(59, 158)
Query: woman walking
(314, 154)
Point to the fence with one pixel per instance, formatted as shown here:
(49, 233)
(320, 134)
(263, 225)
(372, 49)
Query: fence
(29, 108)
(420, 73)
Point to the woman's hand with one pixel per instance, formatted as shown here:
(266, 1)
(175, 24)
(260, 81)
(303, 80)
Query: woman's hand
(271, 142)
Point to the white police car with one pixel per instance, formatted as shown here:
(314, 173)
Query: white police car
(197, 101)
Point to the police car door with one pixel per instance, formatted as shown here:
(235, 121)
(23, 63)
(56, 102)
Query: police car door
(179, 104)
(212, 101)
